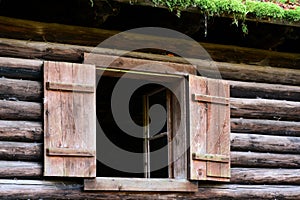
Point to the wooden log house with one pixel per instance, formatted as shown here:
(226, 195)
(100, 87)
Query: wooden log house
(49, 103)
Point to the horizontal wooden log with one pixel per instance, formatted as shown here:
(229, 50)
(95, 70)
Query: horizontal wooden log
(20, 151)
(20, 110)
(265, 109)
(266, 127)
(264, 143)
(21, 90)
(20, 169)
(240, 89)
(20, 68)
(38, 31)
(265, 176)
(21, 131)
(73, 53)
(33, 189)
(270, 160)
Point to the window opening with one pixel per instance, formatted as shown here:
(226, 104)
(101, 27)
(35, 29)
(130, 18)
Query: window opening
(151, 139)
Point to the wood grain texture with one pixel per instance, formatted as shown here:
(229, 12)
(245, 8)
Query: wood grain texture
(270, 160)
(74, 53)
(20, 110)
(20, 68)
(20, 169)
(22, 131)
(37, 31)
(264, 143)
(70, 119)
(209, 129)
(239, 89)
(20, 151)
(21, 90)
(139, 184)
(138, 64)
(33, 189)
(266, 127)
(265, 176)
(265, 109)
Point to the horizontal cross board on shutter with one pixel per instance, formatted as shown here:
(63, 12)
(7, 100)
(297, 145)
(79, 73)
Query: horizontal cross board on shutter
(209, 129)
(69, 120)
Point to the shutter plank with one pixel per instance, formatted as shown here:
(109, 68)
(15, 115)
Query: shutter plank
(209, 129)
(217, 129)
(198, 126)
(74, 129)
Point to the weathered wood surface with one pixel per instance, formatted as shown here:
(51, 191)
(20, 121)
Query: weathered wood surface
(69, 121)
(20, 169)
(271, 160)
(20, 151)
(205, 137)
(264, 143)
(139, 184)
(31, 189)
(73, 53)
(20, 68)
(265, 109)
(240, 89)
(20, 90)
(267, 127)
(20, 110)
(138, 64)
(22, 131)
(37, 31)
(265, 176)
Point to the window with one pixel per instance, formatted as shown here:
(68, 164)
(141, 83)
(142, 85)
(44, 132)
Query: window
(198, 149)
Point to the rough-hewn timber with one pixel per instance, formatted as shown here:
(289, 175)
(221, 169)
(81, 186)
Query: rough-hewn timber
(37, 31)
(271, 160)
(72, 53)
(265, 109)
(20, 110)
(20, 68)
(241, 89)
(267, 127)
(20, 151)
(22, 131)
(20, 90)
(265, 143)
(30, 189)
(20, 169)
(265, 176)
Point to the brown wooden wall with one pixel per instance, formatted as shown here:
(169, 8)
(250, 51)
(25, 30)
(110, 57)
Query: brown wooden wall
(265, 142)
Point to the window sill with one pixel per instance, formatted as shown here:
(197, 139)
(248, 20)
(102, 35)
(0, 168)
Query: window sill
(139, 184)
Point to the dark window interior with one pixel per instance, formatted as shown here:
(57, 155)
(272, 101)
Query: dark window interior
(127, 142)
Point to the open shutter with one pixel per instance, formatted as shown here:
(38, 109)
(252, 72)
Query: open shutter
(69, 120)
(209, 129)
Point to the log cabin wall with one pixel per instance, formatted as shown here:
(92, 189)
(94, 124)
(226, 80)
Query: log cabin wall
(265, 143)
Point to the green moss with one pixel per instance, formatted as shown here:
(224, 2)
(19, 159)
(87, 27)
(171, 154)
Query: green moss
(240, 9)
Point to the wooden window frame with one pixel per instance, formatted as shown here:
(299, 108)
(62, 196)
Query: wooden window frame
(178, 170)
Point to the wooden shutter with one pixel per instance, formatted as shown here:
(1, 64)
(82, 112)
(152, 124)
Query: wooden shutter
(69, 120)
(209, 129)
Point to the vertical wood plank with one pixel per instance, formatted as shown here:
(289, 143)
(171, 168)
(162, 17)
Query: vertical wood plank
(52, 116)
(179, 129)
(197, 128)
